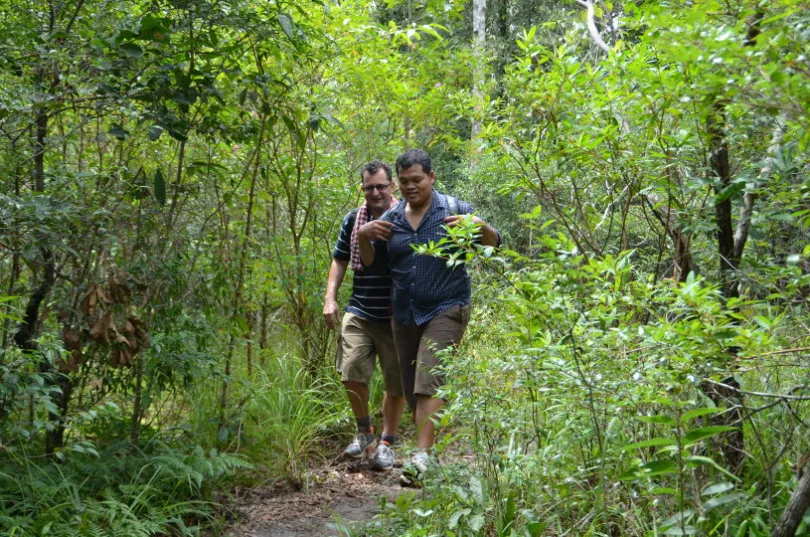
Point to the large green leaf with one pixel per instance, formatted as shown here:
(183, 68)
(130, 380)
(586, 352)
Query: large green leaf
(650, 443)
(698, 412)
(286, 23)
(131, 49)
(660, 420)
(696, 435)
(724, 499)
(160, 188)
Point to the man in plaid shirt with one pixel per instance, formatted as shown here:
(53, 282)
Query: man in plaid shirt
(431, 301)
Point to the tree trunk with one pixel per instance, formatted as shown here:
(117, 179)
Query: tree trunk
(237, 299)
(719, 163)
(479, 41)
(730, 245)
(796, 507)
(28, 330)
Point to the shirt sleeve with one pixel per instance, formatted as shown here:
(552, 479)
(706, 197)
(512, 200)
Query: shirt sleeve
(342, 249)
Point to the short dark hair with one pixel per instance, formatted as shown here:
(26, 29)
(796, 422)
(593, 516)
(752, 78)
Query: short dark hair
(373, 167)
(412, 157)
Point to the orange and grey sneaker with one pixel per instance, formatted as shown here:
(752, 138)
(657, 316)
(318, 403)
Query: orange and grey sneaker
(363, 443)
(383, 459)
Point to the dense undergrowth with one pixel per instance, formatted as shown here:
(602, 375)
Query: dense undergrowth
(581, 395)
(174, 481)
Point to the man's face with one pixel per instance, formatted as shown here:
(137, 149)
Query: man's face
(416, 185)
(377, 190)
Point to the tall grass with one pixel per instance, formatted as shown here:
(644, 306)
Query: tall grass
(290, 413)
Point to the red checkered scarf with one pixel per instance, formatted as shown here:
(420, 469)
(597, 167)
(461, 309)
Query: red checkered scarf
(355, 262)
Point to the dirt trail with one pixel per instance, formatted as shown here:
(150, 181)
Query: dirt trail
(338, 491)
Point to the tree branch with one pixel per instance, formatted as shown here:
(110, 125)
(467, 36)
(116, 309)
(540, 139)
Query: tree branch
(591, 23)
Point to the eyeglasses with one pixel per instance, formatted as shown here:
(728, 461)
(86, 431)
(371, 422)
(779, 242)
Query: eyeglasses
(381, 188)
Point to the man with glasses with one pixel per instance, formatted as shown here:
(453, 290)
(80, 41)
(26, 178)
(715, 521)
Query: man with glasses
(431, 301)
(366, 326)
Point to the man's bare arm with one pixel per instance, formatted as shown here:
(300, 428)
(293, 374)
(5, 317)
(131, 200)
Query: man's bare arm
(330, 307)
(376, 230)
(489, 236)
(366, 251)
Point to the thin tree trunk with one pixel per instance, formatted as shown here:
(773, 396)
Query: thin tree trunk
(12, 281)
(479, 41)
(28, 330)
(237, 300)
(796, 507)
(135, 426)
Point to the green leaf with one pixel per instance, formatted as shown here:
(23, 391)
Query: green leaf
(155, 132)
(687, 530)
(716, 488)
(658, 467)
(286, 23)
(476, 522)
(536, 529)
(223, 434)
(722, 500)
(477, 490)
(178, 135)
(131, 49)
(696, 435)
(160, 188)
(649, 443)
(678, 518)
(119, 133)
(452, 522)
(661, 420)
(729, 191)
(698, 412)
(699, 460)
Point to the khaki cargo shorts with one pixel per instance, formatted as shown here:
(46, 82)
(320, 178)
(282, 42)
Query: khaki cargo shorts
(360, 341)
(417, 347)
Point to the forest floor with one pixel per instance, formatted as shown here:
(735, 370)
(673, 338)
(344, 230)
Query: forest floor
(338, 493)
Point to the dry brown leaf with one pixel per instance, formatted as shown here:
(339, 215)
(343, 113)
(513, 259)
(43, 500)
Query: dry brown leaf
(96, 383)
(100, 331)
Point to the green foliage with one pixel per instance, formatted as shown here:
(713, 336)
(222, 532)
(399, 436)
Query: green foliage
(121, 490)
(174, 178)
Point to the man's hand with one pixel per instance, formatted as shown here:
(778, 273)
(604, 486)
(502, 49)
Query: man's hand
(330, 307)
(376, 230)
(454, 220)
(330, 313)
(489, 237)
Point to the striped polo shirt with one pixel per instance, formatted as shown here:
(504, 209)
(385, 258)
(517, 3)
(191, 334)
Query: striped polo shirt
(371, 287)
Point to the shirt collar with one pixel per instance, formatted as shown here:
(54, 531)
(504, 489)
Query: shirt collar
(439, 201)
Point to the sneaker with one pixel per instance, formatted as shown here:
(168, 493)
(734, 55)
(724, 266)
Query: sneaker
(383, 458)
(415, 469)
(363, 443)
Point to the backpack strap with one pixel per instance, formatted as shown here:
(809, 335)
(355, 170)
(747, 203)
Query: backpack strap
(352, 221)
(452, 204)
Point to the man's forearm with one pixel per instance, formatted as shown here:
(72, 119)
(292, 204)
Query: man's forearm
(336, 274)
(489, 236)
(366, 251)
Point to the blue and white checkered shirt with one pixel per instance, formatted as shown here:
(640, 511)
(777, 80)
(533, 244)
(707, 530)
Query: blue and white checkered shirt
(422, 285)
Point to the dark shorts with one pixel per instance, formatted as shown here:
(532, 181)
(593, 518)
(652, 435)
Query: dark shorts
(417, 346)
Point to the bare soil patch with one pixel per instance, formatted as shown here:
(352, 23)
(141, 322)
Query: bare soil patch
(337, 492)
